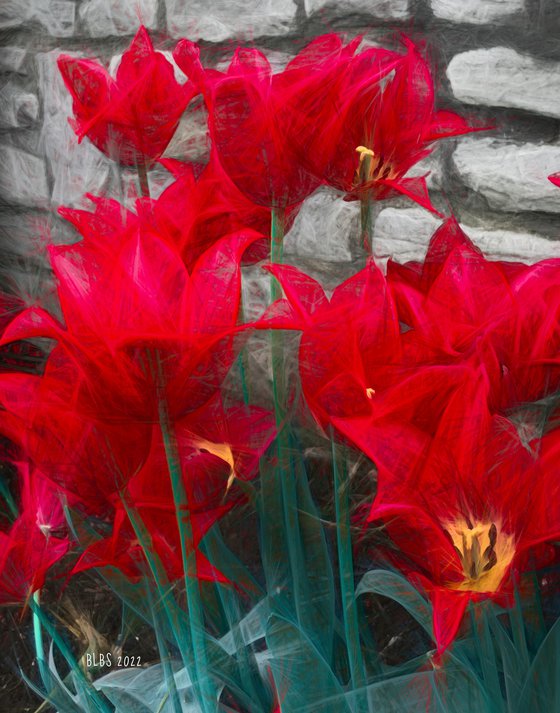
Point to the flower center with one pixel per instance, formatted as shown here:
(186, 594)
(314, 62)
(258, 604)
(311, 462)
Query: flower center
(372, 167)
(485, 551)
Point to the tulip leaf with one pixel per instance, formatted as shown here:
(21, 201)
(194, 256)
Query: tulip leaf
(303, 679)
(394, 586)
(541, 689)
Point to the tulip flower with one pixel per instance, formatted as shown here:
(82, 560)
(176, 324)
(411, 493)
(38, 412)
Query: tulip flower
(466, 517)
(458, 306)
(138, 328)
(88, 459)
(249, 125)
(218, 449)
(211, 208)
(34, 542)
(355, 373)
(370, 120)
(132, 117)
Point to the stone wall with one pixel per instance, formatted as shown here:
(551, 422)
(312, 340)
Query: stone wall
(497, 61)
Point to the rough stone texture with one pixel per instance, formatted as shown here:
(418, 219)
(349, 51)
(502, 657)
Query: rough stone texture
(404, 234)
(17, 107)
(327, 227)
(103, 18)
(75, 168)
(433, 166)
(382, 9)
(500, 76)
(12, 59)
(476, 11)
(24, 233)
(226, 19)
(57, 16)
(23, 179)
(502, 175)
(512, 177)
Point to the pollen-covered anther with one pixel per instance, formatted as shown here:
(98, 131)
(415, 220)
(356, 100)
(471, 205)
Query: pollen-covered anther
(370, 393)
(372, 167)
(485, 552)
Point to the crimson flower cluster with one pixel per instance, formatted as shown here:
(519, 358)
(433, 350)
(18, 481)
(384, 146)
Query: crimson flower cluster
(427, 370)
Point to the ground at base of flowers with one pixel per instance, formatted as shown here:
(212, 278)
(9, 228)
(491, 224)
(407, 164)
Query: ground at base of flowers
(88, 609)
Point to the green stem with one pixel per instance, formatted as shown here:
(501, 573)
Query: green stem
(38, 638)
(242, 358)
(142, 169)
(367, 222)
(172, 692)
(160, 577)
(7, 495)
(518, 631)
(486, 655)
(202, 684)
(98, 701)
(346, 570)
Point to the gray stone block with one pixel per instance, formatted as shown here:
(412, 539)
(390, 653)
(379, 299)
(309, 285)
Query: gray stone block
(57, 16)
(382, 9)
(326, 228)
(476, 12)
(12, 59)
(18, 108)
(221, 20)
(23, 179)
(106, 18)
(512, 177)
(502, 77)
(404, 234)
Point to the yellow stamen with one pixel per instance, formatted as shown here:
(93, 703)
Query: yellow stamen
(222, 451)
(370, 393)
(485, 551)
(372, 167)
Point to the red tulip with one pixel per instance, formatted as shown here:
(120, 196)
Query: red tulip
(249, 125)
(35, 541)
(88, 459)
(465, 518)
(370, 120)
(354, 372)
(218, 449)
(460, 306)
(132, 117)
(138, 328)
(211, 207)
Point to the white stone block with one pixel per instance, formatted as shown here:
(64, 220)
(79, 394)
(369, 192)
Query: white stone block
(18, 108)
(382, 9)
(404, 234)
(476, 12)
(106, 18)
(326, 228)
(500, 76)
(221, 20)
(512, 177)
(12, 59)
(57, 16)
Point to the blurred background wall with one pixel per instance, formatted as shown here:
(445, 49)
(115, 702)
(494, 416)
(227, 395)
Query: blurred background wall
(497, 61)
